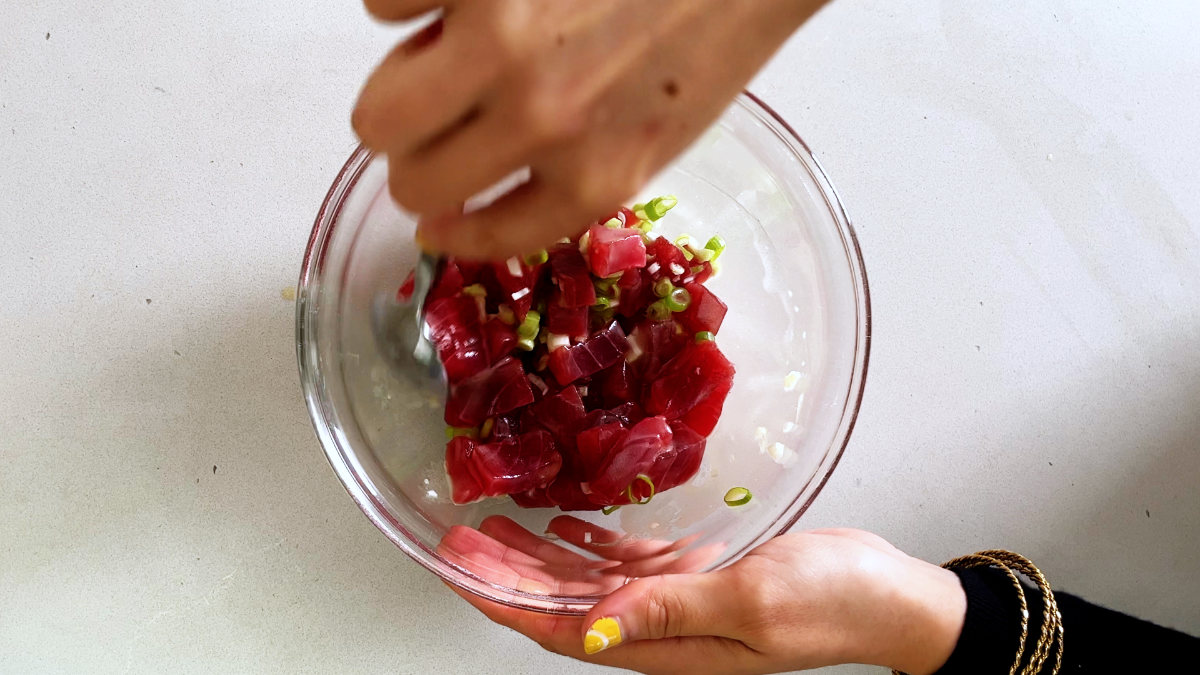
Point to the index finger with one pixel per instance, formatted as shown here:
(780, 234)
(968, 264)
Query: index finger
(529, 217)
(402, 10)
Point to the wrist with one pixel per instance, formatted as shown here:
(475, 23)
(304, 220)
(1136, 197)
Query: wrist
(931, 609)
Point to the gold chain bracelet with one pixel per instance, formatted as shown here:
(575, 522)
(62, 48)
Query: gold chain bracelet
(1051, 635)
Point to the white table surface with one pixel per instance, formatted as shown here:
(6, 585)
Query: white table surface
(1025, 183)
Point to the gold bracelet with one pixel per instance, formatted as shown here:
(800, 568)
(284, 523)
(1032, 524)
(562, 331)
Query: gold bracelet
(1051, 636)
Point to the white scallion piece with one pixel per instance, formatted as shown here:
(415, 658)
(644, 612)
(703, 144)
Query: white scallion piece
(791, 380)
(781, 453)
(514, 266)
(557, 341)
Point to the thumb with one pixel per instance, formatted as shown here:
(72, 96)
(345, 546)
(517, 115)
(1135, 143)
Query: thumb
(666, 606)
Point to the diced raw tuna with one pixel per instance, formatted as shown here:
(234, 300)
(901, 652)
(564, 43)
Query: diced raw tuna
(629, 413)
(652, 344)
(449, 282)
(616, 385)
(500, 339)
(666, 254)
(705, 312)
(459, 455)
(646, 441)
(560, 413)
(689, 452)
(636, 290)
(503, 427)
(703, 417)
(455, 331)
(594, 446)
(572, 321)
(598, 352)
(491, 391)
(567, 493)
(578, 440)
(517, 289)
(524, 463)
(699, 374)
(570, 273)
(613, 250)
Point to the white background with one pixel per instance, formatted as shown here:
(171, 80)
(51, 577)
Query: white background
(1025, 181)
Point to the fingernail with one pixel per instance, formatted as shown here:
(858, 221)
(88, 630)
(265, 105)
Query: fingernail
(604, 633)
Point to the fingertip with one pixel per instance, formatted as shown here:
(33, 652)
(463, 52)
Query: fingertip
(603, 633)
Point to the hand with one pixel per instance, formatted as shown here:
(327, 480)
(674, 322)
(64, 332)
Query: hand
(506, 553)
(592, 97)
(799, 601)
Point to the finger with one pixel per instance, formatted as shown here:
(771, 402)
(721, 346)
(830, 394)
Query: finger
(509, 533)
(474, 153)
(560, 634)
(540, 627)
(485, 557)
(530, 217)
(609, 544)
(401, 10)
(416, 95)
(674, 562)
(672, 605)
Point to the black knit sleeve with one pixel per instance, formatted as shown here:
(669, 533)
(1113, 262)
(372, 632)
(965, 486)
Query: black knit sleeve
(1096, 639)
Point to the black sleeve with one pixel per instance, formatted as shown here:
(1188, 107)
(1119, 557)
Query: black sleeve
(1095, 639)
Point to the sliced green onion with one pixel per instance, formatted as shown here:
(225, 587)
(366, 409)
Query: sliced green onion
(640, 206)
(455, 432)
(528, 329)
(678, 300)
(663, 287)
(645, 479)
(486, 429)
(704, 336)
(717, 245)
(715, 265)
(525, 344)
(658, 311)
(683, 240)
(505, 314)
(604, 286)
(537, 258)
(603, 302)
(609, 510)
(737, 496)
(704, 254)
(657, 208)
(614, 223)
(475, 291)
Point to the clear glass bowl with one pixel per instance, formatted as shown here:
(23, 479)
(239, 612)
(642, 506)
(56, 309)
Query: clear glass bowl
(798, 332)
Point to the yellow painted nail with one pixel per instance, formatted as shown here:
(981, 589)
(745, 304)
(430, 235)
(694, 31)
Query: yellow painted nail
(604, 633)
